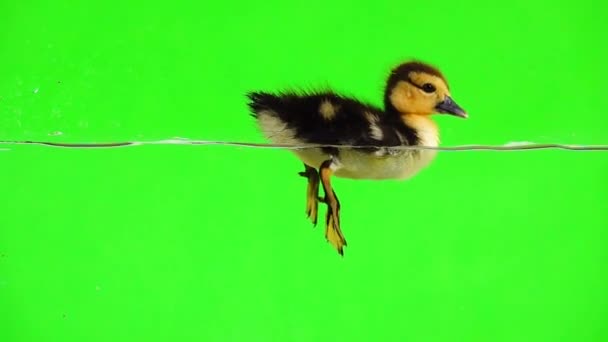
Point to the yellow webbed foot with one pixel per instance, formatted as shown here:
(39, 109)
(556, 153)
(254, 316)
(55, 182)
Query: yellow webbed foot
(312, 193)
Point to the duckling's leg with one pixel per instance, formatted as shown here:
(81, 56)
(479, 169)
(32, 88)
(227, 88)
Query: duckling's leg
(333, 233)
(312, 192)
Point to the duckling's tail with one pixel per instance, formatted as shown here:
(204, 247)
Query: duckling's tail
(266, 109)
(260, 102)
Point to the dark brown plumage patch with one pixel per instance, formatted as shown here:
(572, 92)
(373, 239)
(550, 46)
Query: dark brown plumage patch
(402, 71)
(349, 124)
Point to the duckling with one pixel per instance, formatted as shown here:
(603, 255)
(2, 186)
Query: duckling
(414, 91)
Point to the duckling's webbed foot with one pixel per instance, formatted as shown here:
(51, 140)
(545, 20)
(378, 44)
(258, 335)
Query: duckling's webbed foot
(333, 233)
(312, 192)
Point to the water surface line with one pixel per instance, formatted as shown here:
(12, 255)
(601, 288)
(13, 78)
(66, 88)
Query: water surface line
(513, 146)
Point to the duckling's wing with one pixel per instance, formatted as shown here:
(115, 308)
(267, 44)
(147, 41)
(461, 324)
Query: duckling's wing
(327, 119)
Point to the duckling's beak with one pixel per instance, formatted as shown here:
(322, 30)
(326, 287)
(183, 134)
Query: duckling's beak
(448, 106)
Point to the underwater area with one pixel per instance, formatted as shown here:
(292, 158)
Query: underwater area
(162, 240)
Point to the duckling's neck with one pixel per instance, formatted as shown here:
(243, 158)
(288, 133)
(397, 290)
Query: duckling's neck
(426, 129)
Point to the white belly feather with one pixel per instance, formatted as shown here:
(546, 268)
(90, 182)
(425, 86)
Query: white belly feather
(357, 165)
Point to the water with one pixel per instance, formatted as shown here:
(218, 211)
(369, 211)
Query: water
(167, 234)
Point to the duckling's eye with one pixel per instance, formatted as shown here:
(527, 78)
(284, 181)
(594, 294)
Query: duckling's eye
(429, 88)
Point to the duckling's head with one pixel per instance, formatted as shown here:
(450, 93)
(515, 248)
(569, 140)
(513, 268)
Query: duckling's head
(418, 88)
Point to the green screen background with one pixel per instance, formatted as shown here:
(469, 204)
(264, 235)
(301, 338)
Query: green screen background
(187, 243)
